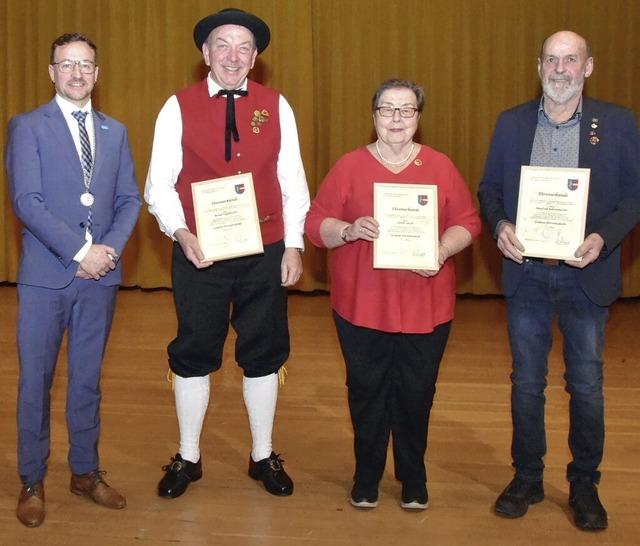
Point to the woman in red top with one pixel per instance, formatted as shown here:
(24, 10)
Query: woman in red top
(392, 324)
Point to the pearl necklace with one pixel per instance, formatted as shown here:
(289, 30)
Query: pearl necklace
(395, 163)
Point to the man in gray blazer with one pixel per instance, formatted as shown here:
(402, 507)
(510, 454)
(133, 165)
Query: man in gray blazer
(562, 130)
(73, 187)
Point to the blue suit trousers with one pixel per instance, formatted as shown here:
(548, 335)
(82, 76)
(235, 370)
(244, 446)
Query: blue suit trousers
(84, 309)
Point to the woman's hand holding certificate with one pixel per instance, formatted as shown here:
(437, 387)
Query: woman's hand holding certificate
(408, 218)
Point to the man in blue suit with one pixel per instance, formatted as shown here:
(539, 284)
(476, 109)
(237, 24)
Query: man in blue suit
(73, 187)
(563, 130)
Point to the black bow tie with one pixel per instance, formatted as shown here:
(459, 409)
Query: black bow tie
(230, 126)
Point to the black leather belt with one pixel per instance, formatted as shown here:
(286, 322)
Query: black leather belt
(546, 261)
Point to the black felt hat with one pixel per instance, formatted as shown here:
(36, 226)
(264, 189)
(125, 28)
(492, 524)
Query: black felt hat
(233, 16)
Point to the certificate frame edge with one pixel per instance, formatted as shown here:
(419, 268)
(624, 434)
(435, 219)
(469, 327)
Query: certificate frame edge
(242, 176)
(583, 215)
(431, 187)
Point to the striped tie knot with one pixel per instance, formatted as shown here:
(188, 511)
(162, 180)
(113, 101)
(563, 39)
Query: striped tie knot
(80, 116)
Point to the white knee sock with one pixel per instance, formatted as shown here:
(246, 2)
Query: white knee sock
(192, 400)
(260, 397)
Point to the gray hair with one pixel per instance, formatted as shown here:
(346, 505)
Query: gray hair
(395, 84)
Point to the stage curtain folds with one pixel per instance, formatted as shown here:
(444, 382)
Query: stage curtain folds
(474, 59)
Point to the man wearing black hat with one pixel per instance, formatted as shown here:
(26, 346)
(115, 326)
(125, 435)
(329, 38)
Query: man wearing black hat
(223, 126)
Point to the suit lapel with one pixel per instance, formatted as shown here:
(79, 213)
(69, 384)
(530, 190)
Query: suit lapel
(527, 129)
(62, 135)
(101, 128)
(591, 127)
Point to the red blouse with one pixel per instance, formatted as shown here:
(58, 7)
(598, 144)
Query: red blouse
(387, 299)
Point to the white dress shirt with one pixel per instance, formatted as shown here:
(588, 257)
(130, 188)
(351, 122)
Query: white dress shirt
(67, 109)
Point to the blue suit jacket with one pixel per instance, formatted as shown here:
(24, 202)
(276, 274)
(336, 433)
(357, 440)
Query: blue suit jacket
(45, 183)
(614, 187)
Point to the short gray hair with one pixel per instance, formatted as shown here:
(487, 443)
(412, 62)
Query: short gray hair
(395, 84)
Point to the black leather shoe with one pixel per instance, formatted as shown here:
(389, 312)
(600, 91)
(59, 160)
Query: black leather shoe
(588, 512)
(271, 473)
(179, 474)
(514, 501)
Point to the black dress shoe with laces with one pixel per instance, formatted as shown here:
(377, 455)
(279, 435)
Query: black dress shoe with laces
(179, 474)
(271, 473)
(514, 501)
(588, 512)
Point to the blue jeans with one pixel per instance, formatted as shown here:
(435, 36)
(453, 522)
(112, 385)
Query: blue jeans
(545, 291)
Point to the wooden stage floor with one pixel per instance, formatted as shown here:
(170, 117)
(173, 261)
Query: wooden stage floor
(467, 459)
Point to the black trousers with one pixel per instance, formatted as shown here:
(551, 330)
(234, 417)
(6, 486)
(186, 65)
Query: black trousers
(244, 292)
(391, 380)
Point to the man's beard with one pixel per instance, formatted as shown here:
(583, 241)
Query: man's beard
(562, 95)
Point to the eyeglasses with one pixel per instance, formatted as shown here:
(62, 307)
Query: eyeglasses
(388, 111)
(66, 66)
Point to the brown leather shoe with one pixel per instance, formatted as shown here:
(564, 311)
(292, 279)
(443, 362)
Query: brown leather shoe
(93, 486)
(30, 510)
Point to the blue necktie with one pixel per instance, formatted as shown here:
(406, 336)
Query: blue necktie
(85, 145)
(85, 156)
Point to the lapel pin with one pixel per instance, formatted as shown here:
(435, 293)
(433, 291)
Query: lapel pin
(594, 136)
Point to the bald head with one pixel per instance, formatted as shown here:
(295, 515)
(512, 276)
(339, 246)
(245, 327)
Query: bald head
(567, 37)
(564, 63)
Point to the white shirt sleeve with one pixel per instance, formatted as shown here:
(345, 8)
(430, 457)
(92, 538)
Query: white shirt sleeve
(164, 168)
(293, 182)
(84, 250)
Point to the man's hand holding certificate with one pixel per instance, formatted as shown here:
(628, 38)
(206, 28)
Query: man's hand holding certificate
(227, 217)
(408, 218)
(552, 211)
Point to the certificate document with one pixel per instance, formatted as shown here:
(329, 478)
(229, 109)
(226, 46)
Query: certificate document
(552, 211)
(227, 217)
(408, 218)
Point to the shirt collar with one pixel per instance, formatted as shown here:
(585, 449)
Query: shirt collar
(214, 87)
(68, 107)
(542, 115)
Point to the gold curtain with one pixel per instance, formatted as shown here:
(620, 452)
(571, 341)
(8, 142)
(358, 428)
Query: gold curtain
(475, 58)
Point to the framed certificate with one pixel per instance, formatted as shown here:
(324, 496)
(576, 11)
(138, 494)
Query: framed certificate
(408, 218)
(552, 211)
(227, 217)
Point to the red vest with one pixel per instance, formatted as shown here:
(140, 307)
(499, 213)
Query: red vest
(258, 122)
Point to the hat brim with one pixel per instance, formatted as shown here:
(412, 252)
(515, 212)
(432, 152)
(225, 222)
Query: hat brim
(232, 16)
